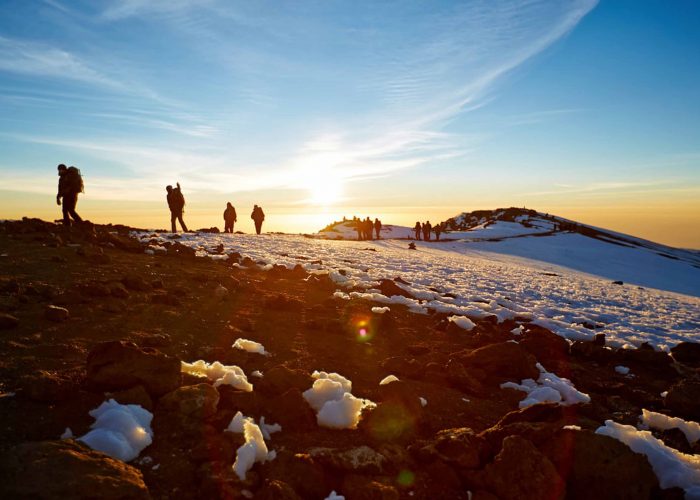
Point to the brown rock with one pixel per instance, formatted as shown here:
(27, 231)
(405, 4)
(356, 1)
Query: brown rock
(390, 421)
(357, 487)
(136, 395)
(55, 313)
(361, 459)
(136, 283)
(192, 401)
(119, 291)
(299, 471)
(120, 365)
(402, 366)
(67, 470)
(546, 346)
(503, 362)
(47, 386)
(279, 379)
(459, 447)
(521, 471)
(291, 411)
(277, 490)
(687, 353)
(599, 467)
(7, 321)
(390, 288)
(684, 398)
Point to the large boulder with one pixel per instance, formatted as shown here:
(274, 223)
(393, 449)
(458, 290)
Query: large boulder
(521, 471)
(687, 353)
(291, 411)
(459, 447)
(192, 401)
(599, 467)
(684, 399)
(117, 365)
(546, 346)
(389, 288)
(502, 362)
(279, 379)
(67, 470)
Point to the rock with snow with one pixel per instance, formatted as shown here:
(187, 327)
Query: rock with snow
(502, 361)
(117, 365)
(120, 431)
(549, 388)
(56, 314)
(388, 379)
(219, 374)
(463, 322)
(253, 450)
(250, 346)
(654, 420)
(66, 469)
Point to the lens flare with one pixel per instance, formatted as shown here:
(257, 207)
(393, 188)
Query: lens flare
(362, 328)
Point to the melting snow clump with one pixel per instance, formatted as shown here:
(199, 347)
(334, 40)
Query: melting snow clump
(651, 419)
(120, 431)
(423, 401)
(672, 467)
(334, 496)
(380, 310)
(462, 322)
(336, 407)
(622, 370)
(250, 346)
(254, 449)
(549, 388)
(219, 374)
(389, 379)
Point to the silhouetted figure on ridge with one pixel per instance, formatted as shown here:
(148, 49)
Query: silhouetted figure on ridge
(377, 226)
(359, 227)
(229, 218)
(426, 231)
(176, 203)
(417, 230)
(70, 183)
(438, 229)
(367, 225)
(258, 217)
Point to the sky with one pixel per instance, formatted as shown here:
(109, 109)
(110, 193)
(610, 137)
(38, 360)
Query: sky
(400, 110)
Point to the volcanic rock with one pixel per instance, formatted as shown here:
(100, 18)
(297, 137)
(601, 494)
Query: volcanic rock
(56, 313)
(687, 353)
(8, 321)
(389, 288)
(684, 398)
(117, 365)
(361, 459)
(67, 470)
(192, 401)
(459, 447)
(503, 362)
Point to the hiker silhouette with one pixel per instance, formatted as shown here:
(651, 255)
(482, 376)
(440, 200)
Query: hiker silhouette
(70, 183)
(377, 226)
(176, 203)
(258, 217)
(229, 218)
(417, 230)
(426, 231)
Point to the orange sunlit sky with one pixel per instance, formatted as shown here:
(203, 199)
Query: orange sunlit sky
(402, 111)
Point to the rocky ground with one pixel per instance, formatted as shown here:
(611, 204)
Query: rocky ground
(86, 315)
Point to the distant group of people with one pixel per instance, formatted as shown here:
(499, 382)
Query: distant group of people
(366, 227)
(426, 228)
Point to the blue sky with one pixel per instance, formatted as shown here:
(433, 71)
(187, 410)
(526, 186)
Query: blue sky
(315, 109)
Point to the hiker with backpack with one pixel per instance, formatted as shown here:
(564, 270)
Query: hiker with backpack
(427, 228)
(258, 217)
(417, 230)
(70, 183)
(229, 218)
(377, 226)
(176, 203)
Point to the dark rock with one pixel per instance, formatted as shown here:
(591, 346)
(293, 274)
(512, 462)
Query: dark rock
(597, 466)
(299, 471)
(389, 422)
(683, 398)
(291, 411)
(56, 313)
(95, 289)
(402, 366)
(599, 339)
(521, 471)
(357, 487)
(279, 379)
(547, 347)
(618, 282)
(277, 490)
(591, 350)
(7, 321)
(136, 395)
(136, 283)
(687, 353)
(459, 447)
(67, 470)
(119, 291)
(675, 438)
(217, 480)
(120, 365)
(47, 386)
(502, 362)
(389, 288)
(361, 459)
(193, 401)
(165, 299)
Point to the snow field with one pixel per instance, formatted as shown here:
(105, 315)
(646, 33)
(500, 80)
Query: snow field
(120, 431)
(475, 280)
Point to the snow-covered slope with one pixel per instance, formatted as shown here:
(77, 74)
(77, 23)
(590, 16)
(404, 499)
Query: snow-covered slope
(473, 280)
(554, 240)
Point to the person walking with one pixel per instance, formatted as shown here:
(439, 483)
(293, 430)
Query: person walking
(258, 217)
(426, 231)
(70, 183)
(438, 229)
(176, 203)
(377, 226)
(359, 227)
(417, 229)
(368, 228)
(229, 218)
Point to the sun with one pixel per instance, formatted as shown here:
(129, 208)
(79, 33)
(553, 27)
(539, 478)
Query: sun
(324, 189)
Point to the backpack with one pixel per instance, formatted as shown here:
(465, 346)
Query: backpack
(75, 180)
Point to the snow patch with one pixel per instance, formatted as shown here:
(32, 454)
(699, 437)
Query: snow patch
(219, 373)
(380, 310)
(462, 322)
(254, 449)
(651, 419)
(389, 379)
(622, 370)
(334, 496)
(549, 388)
(120, 431)
(336, 407)
(250, 346)
(672, 467)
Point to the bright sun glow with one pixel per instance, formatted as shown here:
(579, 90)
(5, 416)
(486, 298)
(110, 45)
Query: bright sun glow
(324, 190)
